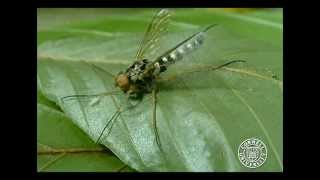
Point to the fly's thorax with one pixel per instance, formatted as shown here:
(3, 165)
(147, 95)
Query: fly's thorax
(141, 86)
(136, 70)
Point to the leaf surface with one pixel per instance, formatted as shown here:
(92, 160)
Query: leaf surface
(61, 146)
(201, 117)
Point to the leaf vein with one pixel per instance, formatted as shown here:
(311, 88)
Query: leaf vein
(51, 162)
(236, 93)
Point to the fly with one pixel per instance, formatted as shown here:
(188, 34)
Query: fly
(141, 76)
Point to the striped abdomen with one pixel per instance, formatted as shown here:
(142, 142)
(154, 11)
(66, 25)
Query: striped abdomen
(178, 52)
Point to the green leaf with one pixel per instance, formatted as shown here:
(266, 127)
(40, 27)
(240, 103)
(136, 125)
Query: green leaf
(41, 99)
(62, 146)
(202, 117)
(246, 25)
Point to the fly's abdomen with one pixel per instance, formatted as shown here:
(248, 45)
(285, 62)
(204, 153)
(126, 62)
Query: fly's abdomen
(178, 53)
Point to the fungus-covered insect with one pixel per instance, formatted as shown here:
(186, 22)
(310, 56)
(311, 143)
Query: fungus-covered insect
(141, 76)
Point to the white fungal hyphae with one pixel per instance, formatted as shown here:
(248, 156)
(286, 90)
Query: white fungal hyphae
(173, 56)
(157, 65)
(179, 55)
(189, 46)
(196, 43)
(156, 69)
(164, 59)
(134, 77)
(181, 50)
(200, 38)
(136, 67)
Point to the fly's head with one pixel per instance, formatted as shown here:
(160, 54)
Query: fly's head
(122, 81)
(136, 80)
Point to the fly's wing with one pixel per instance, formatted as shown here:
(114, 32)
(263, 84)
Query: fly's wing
(233, 56)
(177, 52)
(195, 40)
(155, 30)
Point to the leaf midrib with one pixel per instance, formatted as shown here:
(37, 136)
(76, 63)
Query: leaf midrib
(42, 57)
(73, 150)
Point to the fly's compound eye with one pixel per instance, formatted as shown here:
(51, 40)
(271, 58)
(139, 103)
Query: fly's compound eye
(122, 81)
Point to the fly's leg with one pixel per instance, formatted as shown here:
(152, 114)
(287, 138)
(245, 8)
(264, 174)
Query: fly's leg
(112, 120)
(154, 118)
(201, 69)
(219, 67)
(95, 67)
(84, 96)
